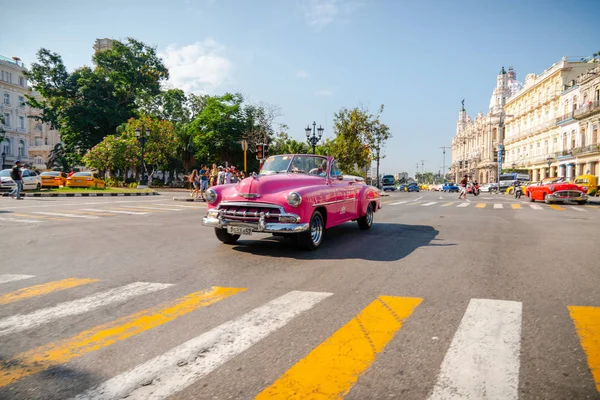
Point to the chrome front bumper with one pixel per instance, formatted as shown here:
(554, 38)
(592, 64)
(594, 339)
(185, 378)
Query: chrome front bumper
(557, 197)
(215, 219)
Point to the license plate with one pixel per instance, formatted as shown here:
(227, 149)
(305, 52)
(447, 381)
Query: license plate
(238, 230)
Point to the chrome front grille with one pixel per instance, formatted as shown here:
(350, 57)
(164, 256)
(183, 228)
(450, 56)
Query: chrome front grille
(568, 193)
(250, 212)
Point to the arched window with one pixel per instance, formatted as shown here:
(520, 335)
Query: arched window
(6, 146)
(21, 149)
(572, 139)
(574, 103)
(582, 137)
(595, 136)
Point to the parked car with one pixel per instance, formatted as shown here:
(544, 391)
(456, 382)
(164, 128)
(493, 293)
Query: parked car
(31, 180)
(53, 179)
(413, 187)
(86, 180)
(450, 187)
(403, 187)
(298, 196)
(557, 191)
(488, 187)
(511, 189)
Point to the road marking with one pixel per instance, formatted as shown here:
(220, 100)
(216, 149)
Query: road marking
(38, 360)
(66, 215)
(428, 204)
(516, 206)
(154, 208)
(480, 205)
(498, 205)
(13, 278)
(447, 204)
(333, 367)
(116, 212)
(21, 322)
(40, 290)
(578, 209)
(587, 325)
(140, 209)
(536, 207)
(417, 199)
(25, 221)
(201, 205)
(91, 213)
(555, 207)
(464, 205)
(181, 366)
(39, 217)
(483, 359)
(398, 202)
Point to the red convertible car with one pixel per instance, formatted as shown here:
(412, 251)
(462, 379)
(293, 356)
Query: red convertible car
(298, 196)
(557, 191)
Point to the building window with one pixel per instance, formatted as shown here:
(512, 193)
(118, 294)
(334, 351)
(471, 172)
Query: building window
(546, 147)
(582, 137)
(21, 122)
(21, 149)
(22, 81)
(7, 120)
(21, 101)
(6, 76)
(6, 98)
(6, 146)
(595, 136)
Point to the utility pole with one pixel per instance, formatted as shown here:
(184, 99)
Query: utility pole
(417, 174)
(444, 160)
(423, 167)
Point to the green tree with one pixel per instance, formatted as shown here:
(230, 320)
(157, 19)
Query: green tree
(91, 102)
(58, 159)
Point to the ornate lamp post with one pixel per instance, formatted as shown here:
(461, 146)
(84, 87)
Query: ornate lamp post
(2, 133)
(314, 135)
(549, 160)
(514, 166)
(142, 136)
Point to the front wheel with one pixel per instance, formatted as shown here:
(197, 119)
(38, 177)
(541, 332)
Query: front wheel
(366, 221)
(225, 237)
(313, 237)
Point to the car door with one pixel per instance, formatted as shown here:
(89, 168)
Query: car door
(26, 174)
(347, 194)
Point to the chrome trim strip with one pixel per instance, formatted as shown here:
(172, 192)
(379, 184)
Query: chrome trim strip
(329, 202)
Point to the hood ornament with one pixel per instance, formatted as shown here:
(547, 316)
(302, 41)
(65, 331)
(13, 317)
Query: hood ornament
(250, 195)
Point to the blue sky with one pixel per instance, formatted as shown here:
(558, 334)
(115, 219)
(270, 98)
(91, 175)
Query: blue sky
(312, 57)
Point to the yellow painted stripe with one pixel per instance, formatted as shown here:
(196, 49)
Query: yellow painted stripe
(447, 204)
(555, 207)
(37, 360)
(480, 205)
(88, 213)
(39, 290)
(516, 206)
(39, 217)
(333, 367)
(587, 324)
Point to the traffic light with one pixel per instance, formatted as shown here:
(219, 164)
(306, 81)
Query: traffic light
(495, 156)
(265, 150)
(259, 152)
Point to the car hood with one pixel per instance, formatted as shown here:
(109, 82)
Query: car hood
(270, 184)
(5, 179)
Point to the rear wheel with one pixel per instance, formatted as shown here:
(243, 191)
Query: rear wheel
(312, 239)
(511, 191)
(38, 186)
(225, 237)
(366, 221)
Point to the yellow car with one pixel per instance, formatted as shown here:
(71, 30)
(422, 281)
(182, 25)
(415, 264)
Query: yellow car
(86, 180)
(53, 179)
(511, 189)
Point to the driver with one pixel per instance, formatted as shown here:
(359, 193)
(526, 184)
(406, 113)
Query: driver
(320, 170)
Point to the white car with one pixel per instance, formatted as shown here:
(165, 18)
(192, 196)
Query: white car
(487, 187)
(31, 180)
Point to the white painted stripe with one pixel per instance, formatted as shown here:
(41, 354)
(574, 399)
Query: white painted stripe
(115, 211)
(25, 221)
(428, 204)
(536, 207)
(483, 359)
(21, 322)
(12, 278)
(199, 206)
(181, 366)
(417, 199)
(398, 202)
(579, 209)
(497, 205)
(66, 215)
(153, 208)
(464, 205)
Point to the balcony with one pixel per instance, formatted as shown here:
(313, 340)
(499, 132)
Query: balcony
(42, 147)
(563, 154)
(586, 150)
(565, 117)
(588, 109)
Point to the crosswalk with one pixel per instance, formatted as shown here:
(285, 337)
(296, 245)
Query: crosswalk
(40, 216)
(495, 206)
(482, 361)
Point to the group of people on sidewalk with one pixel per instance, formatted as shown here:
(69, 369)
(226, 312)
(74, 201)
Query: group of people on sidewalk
(204, 178)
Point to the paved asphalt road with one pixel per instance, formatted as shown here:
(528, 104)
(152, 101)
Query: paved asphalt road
(491, 298)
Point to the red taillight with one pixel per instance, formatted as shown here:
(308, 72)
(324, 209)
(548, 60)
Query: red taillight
(89, 179)
(57, 179)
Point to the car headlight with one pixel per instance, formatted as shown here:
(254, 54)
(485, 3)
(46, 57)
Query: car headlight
(294, 199)
(210, 195)
(552, 188)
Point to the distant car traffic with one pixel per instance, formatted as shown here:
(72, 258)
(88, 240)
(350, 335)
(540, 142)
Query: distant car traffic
(53, 179)
(31, 180)
(86, 180)
(450, 187)
(488, 187)
(413, 187)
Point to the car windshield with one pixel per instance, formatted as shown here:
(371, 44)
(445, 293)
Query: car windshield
(5, 172)
(83, 174)
(49, 173)
(298, 164)
(581, 181)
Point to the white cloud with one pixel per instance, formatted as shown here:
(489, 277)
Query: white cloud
(324, 92)
(302, 74)
(197, 67)
(320, 13)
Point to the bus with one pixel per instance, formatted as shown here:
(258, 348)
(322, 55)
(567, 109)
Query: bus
(507, 180)
(388, 183)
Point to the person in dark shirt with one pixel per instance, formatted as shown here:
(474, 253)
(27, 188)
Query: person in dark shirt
(463, 187)
(17, 177)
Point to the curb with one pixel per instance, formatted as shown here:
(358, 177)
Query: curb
(85, 194)
(188, 199)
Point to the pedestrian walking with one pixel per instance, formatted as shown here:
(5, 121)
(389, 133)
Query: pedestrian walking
(195, 181)
(214, 173)
(221, 176)
(463, 188)
(17, 177)
(204, 175)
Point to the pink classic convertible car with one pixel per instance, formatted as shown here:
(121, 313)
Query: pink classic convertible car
(294, 195)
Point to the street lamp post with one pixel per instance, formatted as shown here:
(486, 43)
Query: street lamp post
(549, 160)
(142, 136)
(314, 135)
(2, 133)
(514, 166)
